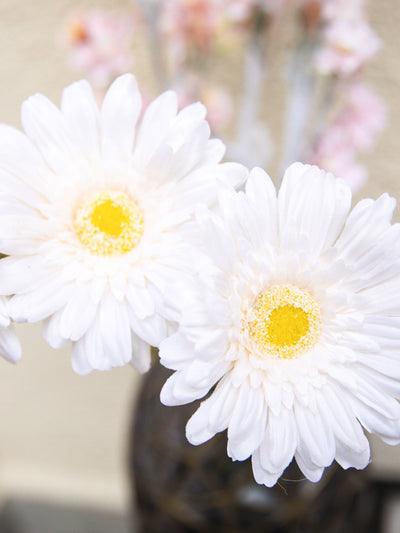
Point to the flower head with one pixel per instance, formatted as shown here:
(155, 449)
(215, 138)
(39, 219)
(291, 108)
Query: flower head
(94, 213)
(348, 45)
(100, 44)
(364, 117)
(191, 25)
(298, 329)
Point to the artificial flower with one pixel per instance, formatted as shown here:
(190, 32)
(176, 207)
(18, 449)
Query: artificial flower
(100, 44)
(348, 44)
(364, 116)
(355, 128)
(298, 329)
(94, 210)
(190, 25)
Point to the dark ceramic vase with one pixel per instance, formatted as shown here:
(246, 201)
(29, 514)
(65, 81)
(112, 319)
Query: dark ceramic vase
(180, 488)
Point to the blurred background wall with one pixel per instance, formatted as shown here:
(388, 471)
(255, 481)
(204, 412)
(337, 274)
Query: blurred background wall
(64, 437)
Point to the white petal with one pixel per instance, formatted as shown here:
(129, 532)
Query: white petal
(152, 329)
(280, 441)
(311, 471)
(223, 402)
(204, 374)
(47, 128)
(189, 115)
(197, 429)
(262, 194)
(155, 125)
(94, 350)
(115, 331)
(384, 330)
(349, 458)
(176, 351)
(79, 107)
(4, 317)
(342, 420)
(80, 363)
(202, 184)
(214, 152)
(384, 298)
(247, 424)
(177, 390)
(19, 274)
(119, 114)
(261, 475)
(314, 204)
(377, 264)
(371, 393)
(10, 347)
(315, 435)
(140, 301)
(18, 229)
(21, 160)
(373, 421)
(24, 192)
(187, 156)
(107, 343)
(213, 345)
(51, 331)
(366, 223)
(219, 244)
(40, 302)
(79, 305)
(141, 354)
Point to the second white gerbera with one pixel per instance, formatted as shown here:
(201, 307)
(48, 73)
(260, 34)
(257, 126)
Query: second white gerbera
(298, 327)
(93, 207)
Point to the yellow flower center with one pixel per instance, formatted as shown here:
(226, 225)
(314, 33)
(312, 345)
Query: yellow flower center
(109, 223)
(285, 321)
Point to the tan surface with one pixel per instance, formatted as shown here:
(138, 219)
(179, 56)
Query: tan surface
(63, 436)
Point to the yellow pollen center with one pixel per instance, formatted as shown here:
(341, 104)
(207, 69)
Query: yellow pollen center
(109, 223)
(284, 321)
(109, 217)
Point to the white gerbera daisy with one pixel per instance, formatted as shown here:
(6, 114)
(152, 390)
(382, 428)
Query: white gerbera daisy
(300, 327)
(93, 208)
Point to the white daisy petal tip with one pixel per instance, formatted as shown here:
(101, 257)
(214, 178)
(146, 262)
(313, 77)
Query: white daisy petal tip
(10, 347)
(103, 207)
(197, 431)
(168, 394)
(307, 292)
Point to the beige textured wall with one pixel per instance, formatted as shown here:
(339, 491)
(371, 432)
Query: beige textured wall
(63, 436)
